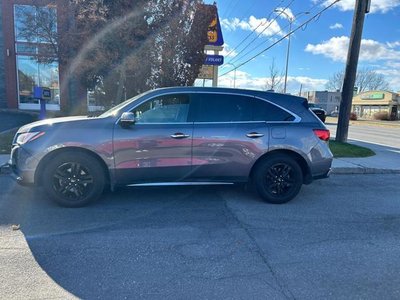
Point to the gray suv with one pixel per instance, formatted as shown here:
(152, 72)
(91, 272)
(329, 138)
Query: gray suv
(182, 135)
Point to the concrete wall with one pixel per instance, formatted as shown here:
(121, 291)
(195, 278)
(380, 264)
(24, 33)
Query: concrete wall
(324, 99)
(3, 102)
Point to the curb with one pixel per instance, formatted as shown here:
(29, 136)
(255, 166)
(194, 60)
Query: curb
(366, 171)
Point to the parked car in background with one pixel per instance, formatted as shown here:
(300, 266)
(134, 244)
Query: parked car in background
(334, 113)
(181, 136)
(318, 111)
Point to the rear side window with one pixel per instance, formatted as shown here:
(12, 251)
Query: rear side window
(265, 111)
(223, 108)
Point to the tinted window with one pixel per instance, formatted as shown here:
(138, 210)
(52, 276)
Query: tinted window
(163, 109)
(264, 111)
(222, 108)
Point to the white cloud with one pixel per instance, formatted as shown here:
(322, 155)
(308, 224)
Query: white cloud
(252, 24)
(336, 49)
(393, 45)
(336, 26)
(248, 81)
(381, 6)
(227, 52)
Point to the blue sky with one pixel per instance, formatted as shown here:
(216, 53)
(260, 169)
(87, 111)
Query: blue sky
(318, 51)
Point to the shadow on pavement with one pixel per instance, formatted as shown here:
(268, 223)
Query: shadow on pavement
(148, 242)
(339, 237)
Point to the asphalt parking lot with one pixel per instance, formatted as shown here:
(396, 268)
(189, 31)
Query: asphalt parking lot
(338, 239)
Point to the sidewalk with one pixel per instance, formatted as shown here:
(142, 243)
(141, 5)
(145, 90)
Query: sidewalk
(386, 161)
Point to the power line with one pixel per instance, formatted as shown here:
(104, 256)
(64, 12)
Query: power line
(261, 23)
(269, 25)
(236, 58)
(281, 39)
(230, 11)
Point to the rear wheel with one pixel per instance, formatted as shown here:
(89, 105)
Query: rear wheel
(278, 179)
(73, 179)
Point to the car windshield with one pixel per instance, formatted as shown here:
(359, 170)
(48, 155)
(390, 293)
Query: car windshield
(115, 110)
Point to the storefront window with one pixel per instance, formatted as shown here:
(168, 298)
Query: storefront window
(40, 20)
(31, 71)
(31, 74)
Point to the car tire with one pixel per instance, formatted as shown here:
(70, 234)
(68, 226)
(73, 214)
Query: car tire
(73, 179)
(278, 179)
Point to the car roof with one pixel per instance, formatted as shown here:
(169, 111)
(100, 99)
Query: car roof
(276, 97)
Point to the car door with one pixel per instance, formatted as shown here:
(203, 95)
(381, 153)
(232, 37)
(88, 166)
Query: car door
(157, 148)
(226, 140)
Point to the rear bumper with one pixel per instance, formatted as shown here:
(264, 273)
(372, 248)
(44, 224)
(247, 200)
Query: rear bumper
(323, 176)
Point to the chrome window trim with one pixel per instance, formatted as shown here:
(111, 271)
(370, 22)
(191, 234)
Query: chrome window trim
(297, 118)
(174, 123)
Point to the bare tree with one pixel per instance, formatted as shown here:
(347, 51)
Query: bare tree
(39, 26)
(367, 79)
(274, 81)
(117, 49)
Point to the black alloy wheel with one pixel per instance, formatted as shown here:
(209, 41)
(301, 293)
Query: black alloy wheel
(73, 179)
(278, 179)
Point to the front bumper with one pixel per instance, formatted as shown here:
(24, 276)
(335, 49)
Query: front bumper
(22, 165)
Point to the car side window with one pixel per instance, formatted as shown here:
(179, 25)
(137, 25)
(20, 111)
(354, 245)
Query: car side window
(265, 111)
(222, 108)
(164, 109)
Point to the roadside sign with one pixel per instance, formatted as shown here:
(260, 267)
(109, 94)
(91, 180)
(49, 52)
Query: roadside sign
(42, 93)
(206, 72)
(46, 94)
(214, 60)
(214, 32)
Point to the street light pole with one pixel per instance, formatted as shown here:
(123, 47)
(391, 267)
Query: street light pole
(291, 19)
(234, 73)
(287, 56)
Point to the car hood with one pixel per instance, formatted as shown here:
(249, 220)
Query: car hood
(51, 122)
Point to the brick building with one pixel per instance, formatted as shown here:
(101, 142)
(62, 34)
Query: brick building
(20, 70)
(3, 103)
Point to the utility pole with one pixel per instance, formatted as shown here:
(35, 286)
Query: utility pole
(361, 8)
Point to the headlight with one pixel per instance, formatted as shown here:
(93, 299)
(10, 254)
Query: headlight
(23, 138)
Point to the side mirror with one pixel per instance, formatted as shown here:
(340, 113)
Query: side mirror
(127, 119)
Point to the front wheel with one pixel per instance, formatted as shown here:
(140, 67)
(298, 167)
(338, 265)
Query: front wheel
(73, 179)
(278, 179)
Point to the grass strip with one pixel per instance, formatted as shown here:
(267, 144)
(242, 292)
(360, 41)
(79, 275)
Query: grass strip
(349, 150)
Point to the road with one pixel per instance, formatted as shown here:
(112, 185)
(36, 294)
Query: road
(339, 239)
(388, 136)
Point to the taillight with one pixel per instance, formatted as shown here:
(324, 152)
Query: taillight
(322, 134)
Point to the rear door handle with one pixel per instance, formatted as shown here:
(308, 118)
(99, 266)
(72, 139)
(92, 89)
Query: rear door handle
(254, 135)
(179, 135)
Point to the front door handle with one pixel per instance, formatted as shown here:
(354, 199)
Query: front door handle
(179, 135)
(254, 135)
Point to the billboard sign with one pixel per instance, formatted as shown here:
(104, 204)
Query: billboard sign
(373, 96)
(214, 33)
(214, 60)
(206, 72)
